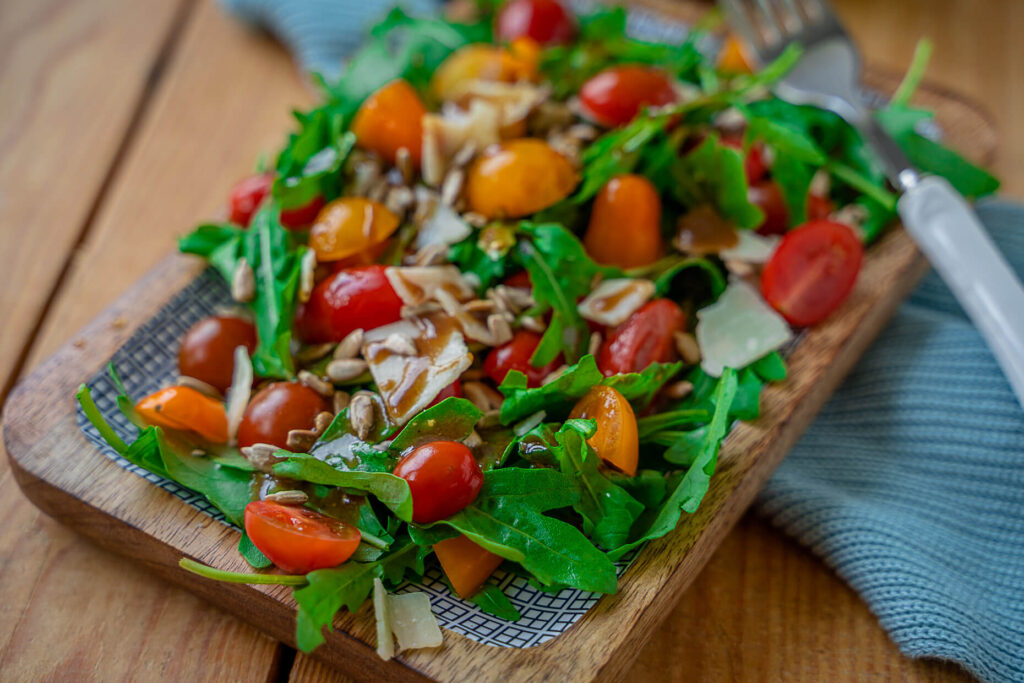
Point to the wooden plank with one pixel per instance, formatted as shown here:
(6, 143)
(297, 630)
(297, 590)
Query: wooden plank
(72, 77)
(67, 607)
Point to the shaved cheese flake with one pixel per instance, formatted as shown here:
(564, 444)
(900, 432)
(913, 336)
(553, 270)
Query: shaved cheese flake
(750, 247)
(441, 224)
(408, 383)
(385, 643)
(738, 329)
(415, 285)
(239, 391)
(612, 301)
(412, 622)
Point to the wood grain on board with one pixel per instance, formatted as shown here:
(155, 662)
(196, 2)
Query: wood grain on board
(746, 615)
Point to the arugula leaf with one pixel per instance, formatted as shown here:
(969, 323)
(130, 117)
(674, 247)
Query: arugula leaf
(617, 152)
(506, 518)
(771, 368)
(555, 397)
(371, 529)
(647, 487)
(561, 272)
(490, 269)
(453, 419)
(389, 489)
(665, 271)
(639, 388)
(310, 164)
(688, 490)
(608, 511)
(340, 448)
(492, 600)
(713, 174)
(251, 553)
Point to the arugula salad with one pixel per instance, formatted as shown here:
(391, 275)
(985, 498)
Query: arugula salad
(500, 300)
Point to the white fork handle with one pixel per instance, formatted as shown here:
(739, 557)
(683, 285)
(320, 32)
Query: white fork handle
(949, 233)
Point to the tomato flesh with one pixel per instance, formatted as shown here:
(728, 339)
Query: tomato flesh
(277, 409)
(347, 300)
(812, 271)
(616, 95)
(207, 350)
(616, 439)
(246, 197)
(645, 338)
(546, 21)
(515, 355)
(298, 540)
(767, 196)
(819, 207)
(443, 478)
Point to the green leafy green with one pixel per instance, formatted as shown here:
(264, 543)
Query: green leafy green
(453, 419)
(713, 174)
(310, 164)
(506, 518)
(639, 388)
(389, 489)
(251, 553)
(771, 368)
(492, 600)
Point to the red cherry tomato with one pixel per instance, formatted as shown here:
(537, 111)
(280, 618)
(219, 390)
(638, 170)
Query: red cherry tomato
(515, 355)
(818, 207)
(645, 338)
(298, 540)
(345, 301)
(208, 349)
(443, 477)
(616, 95)
(754, 166)
(302, 216)
(453, 390)
(246, 197)
(277, 409)
(812, 271)
(767, 196)
(546, 21)
(520, 280)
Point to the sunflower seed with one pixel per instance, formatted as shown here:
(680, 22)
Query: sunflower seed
(360, 415)
(198, 453)
(679, 390)
(475, 219)
(378, 190)
(340, 401)
(501, 331)
(821, 183)
(311, 354)
(403, 162)
(262, 456)
(300, 440)
(482, 396)
(200, 386)
(345, 369)
(473, 440)
(686, 345)
(451, 186)
(582, 131)
(287, 497)
(399, 200)
(350, 345)
(365, 174)
(431, 255)
(595, 343)
(307, 271)
(479, 306)
(532, 323)
(243, 282)
(420, 310)
(322, 422)
(317, 384)
(464, 155)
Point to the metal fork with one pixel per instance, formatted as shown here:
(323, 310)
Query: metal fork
(941, 222)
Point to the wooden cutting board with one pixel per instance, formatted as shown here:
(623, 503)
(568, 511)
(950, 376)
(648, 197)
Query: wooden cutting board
(62, 473)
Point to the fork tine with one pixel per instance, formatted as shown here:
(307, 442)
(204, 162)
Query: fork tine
(791, 16)
(741, 21)
(771, 29)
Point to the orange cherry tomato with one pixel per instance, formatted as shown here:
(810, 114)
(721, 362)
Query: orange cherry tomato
(390, 119)
(616, 95)
(482, 63)
(207, 350)
(185, 408)
(812, 271)
(616, 440)
(646, 337)
(443, 478)
(349, 226)
(466, 564)
(625, 223)
(732, 59)
(275, 410)
(298, 540)
(517, 178)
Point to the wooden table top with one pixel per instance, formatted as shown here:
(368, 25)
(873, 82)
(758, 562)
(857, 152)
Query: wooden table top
(123, 123)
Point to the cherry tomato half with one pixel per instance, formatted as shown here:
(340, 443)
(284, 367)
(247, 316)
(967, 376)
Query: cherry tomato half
(208, 349)
(515, 355)
(546, 21)
(443, 477)
(345, 301)
(276, 409)
(184, 408)
(812, 271)
(246, 197)
(645, 338)
(298, 540)
(616, 440)
(767, 196)
(616, 95)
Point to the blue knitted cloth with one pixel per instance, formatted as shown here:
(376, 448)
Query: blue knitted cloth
(910, 484)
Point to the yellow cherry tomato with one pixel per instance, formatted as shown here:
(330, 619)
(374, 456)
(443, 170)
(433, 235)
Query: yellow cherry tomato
(349, 226)
(517, 178)
(185, 408)
(389, 119)
(616, 440)
(731, 58)
(625, 223)
(482, 63)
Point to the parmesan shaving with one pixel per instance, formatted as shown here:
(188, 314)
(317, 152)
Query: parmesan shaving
(612, 301)
(412, 622)
(415, 285)
(750, 247)
(385, 643)
(441, 224)
(738, 329)
(239, 391)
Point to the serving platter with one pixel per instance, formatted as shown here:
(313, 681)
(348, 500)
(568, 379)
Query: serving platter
(65, 475)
